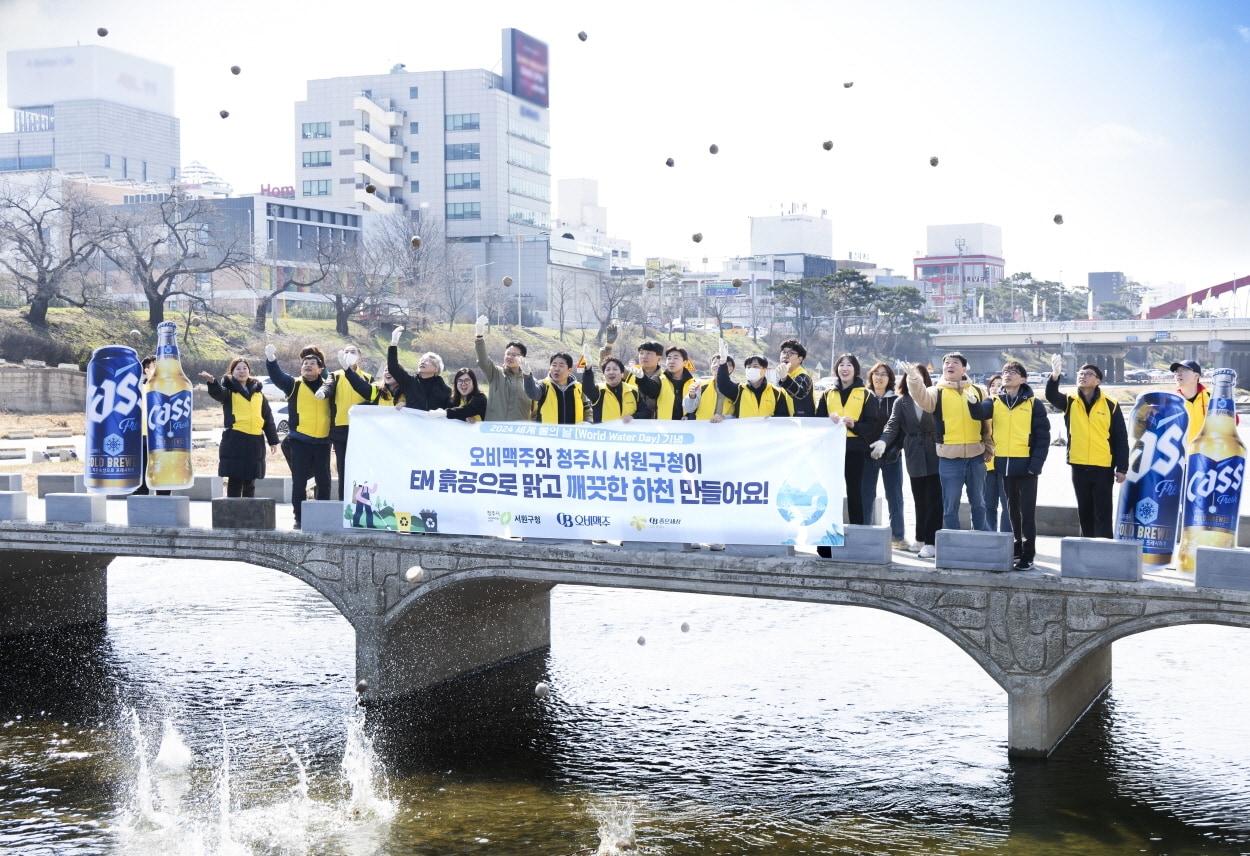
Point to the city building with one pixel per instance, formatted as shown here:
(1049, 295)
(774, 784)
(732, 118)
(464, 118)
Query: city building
(1106, 286)
(959, 260)
(93, 111)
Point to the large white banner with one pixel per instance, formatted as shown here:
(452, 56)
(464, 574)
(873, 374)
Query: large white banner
(742, 481)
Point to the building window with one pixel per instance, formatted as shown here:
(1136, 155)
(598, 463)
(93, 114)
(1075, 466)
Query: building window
(412, 92)
(414, 187)
(125, 167)
(414, 157)
(317, 188)
(463, 121)
(464, 211)
(527, 217)
(144, 167)
(463, 151)
(315, 130)
(317, 158)
(108, 161)
(529, 160)
(173, 173)
(464, 181)
(539, 190)
(414, 127)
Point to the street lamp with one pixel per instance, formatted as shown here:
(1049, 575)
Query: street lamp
(476, 268)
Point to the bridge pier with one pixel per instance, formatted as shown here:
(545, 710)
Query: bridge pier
(449, 632)
(41, 592)
(1041, 710)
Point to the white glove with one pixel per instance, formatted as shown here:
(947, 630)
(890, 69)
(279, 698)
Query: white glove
(439, 413)
(347, 359)
(482, 321)
(321, 391)
(395, 334)
(1056, 365)
(877, 449)
(723, 350)
(586, 352)
(771, 376)
(525, 366)
(690, 404)
(271, 353)
(638, 372)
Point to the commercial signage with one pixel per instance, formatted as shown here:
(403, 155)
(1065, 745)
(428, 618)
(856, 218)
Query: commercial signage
(525, 67)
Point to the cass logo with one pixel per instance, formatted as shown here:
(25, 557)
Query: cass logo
(571, 520)
(1221, 480)
(114, 397)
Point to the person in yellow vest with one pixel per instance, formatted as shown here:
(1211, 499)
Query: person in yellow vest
(648, 366)
(844, 404)
(758, 396)
(1097, 445)
(249, 427)
(1197, 397)
(670, 387)
(558, 399)
(343, 394)
(995, 499)
(613, 399)
(709, 404)
(963, 443)
(794, 379)
(309, 416)
(468, 403)
(1021, 441)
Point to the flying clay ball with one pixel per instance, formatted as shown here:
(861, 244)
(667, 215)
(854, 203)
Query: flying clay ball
(234, 69)
(697, 237)
(582, 35)
(225, 114)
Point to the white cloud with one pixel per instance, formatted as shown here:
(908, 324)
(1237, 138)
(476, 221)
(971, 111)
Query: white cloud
(1244, 32)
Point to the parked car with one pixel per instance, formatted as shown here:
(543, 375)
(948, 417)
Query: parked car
(1137, 376)
(268, 389)
(279, 411)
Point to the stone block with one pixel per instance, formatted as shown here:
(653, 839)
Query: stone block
(75, 508)
(59, 483)
(1222, 567)
(868, 545)
(1100, 559)
(324, 515)
(13, 455)
(759, 551)
(10, 481)
(244, 513)
(878, 509)
(12, 505)
(972, 550)
(277, 488)
(163, 511)
(203, 489)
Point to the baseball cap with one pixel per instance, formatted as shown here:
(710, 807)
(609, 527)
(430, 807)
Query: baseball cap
(1192, 365)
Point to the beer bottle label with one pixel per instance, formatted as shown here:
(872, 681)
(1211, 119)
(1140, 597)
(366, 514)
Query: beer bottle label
(169, 421)
(1213, 492)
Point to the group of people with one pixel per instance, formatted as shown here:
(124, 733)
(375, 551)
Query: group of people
(955, 437)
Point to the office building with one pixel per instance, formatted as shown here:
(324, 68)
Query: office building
(91, 110)
(959, 260)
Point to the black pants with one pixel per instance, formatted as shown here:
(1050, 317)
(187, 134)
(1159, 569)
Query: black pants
(240, 487)
(1093, 499)
(926, 493)
(853, 475)
(309, 460)
(1020, 494)
(340, 458)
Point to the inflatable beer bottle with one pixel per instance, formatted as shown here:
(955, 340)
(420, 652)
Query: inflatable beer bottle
(1213, 477)
(169, 416)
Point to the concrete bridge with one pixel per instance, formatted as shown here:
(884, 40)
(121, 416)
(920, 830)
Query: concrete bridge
(1046, 640)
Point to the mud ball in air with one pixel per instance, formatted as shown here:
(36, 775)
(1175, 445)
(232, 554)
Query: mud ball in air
(414, 574)
(848, 84)
(362, 687)
(685, 627)
(933, 161)
(642, 640)
(416, 240)
(507, 281)
(828, 144)
(713, 148)
(136, 335)
(697, 237)
(737, 283)
(234, 69)
(102, 32)
(1058, 219)
(369, 188)
(651, 283)
(541, 689)
(669, 162)
(582, 35)
(224, 114)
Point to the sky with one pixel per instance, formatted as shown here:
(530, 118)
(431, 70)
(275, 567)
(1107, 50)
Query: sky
(1130, 118)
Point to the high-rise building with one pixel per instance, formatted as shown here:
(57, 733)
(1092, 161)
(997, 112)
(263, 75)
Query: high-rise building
(960, 260)
(1106, 286)
(92, 110)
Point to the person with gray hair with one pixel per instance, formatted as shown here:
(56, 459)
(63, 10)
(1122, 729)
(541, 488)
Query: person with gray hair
(426, 390)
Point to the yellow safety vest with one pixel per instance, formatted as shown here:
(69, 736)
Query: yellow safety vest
(614, 408)
(549, 410)
(959, 426)
(767, 404)
(1197, 410)
(247, 413)
(1012, 427)
(312, 415)
(854, 404)
(1089, 434)
(668, 394)
(345, 397)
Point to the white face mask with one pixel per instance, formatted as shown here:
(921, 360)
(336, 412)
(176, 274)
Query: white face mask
(754, 373)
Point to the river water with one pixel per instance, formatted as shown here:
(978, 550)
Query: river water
(215, 714)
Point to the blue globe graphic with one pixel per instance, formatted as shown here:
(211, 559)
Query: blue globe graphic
(803, 503)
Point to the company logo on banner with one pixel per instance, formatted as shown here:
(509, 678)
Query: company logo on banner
(742, 481)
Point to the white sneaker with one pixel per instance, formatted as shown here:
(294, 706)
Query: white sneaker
(914, 547)
(927, 552)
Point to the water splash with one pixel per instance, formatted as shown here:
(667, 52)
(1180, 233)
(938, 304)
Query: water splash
(174, 756)
(616, 828)
(144, 814)
(363, 773)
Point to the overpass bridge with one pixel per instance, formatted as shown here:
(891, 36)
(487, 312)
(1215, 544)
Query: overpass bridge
(1107, 344)
(1046, 640)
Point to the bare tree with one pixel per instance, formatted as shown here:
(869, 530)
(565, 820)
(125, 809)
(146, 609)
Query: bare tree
(329, 250)
(162, 245)
(614, 297)
(563, 293)
(48, 230)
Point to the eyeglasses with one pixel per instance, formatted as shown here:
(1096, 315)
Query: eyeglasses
(1012, 372)
(1087, 374)
(880, 374)
(789, 353)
